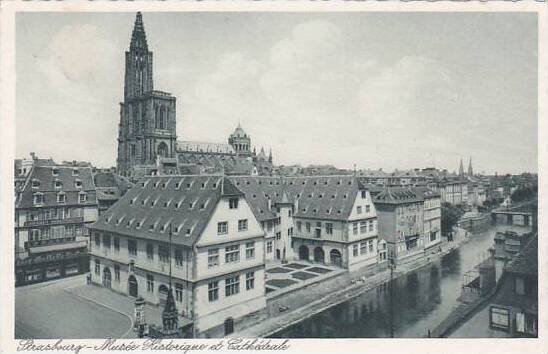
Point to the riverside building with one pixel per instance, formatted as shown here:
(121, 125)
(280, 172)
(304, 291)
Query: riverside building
(321, 219)
(199, 228)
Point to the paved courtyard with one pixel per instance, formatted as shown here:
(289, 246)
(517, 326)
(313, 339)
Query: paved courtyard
(294, 275)
(41, 313)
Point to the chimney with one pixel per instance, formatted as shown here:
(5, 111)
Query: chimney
(269, 204)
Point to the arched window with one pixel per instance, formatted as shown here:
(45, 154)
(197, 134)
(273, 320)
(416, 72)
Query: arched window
(229, 326)
(133, 287)
(162, 149)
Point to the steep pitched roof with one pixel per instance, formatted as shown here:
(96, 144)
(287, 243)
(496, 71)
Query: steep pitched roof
(425, 192)
(156, 202)
(398, 195)
(526, 261)
(43, 179)
(321, 197)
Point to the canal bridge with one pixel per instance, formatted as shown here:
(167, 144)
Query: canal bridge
(521, 215)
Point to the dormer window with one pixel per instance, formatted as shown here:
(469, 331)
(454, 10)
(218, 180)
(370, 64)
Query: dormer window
(203, 185)
(138, 225)
(214, 185)
(57, 184)
(35, 183)
(153, 203)
(151, 227)
(188, 185)
(61, 198)
(156, 184)
(166, 204)
(177, 185)
(78, 183)
(162, 228)
(202, 206)
(75, 172)
(190, 205)
(187, 233)
(233, 203)
(143, 202)
(55, 172)
(38, 198)
(164, 185)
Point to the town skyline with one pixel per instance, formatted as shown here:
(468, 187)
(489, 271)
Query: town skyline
(312, 137)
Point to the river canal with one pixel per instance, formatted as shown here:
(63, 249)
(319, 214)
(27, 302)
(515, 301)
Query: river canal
(422, 299)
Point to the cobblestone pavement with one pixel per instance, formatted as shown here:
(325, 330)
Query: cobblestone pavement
(47, 310)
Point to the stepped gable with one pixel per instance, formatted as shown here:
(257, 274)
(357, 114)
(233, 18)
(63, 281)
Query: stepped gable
(44, 180)
(156, 202)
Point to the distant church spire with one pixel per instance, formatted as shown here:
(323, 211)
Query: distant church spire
(470, 170)
(461, 168)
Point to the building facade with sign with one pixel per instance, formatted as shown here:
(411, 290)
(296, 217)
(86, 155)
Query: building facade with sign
(53, 209)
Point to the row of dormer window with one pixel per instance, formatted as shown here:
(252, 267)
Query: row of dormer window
(55, 172)
(177, 185)
(168, 203)
(152, 227)
(38, 198)
(35, 183)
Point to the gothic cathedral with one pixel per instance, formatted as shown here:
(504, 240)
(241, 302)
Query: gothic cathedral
(147, 126)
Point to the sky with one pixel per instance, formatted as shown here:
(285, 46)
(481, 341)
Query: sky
(375, 90)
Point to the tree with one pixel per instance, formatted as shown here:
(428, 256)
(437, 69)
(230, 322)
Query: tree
(450, 215)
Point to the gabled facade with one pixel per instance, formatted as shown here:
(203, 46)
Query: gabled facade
(199, 226)
(53, 210)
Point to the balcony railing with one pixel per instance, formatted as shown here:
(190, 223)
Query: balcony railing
(54, 241)
(48, 222)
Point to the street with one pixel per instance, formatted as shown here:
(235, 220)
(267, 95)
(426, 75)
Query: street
(41, 312)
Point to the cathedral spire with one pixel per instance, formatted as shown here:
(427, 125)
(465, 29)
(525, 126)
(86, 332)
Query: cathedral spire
(470, 170)
(461, 168)
(138, 36)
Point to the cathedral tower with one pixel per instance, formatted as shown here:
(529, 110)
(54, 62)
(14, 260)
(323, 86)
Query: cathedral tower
(147, 126)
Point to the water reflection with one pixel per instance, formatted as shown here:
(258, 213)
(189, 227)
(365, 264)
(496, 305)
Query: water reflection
(422, 299)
